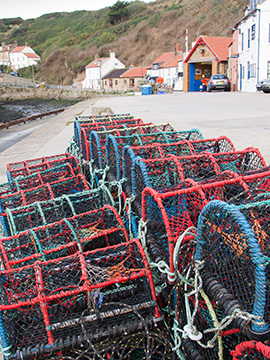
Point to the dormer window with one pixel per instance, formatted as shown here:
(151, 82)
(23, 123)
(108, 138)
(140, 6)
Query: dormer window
(155, 66)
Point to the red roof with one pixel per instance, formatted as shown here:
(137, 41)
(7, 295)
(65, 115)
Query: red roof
(174, 61)
(135, 72)
(219, 46)
(96, 63)
(164, 58)
(18, 49)
(31, 55)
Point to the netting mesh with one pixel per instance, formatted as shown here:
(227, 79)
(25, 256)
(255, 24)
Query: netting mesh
(102, 118)
(241, 162)
(220, 144)
(170, 171)
(228, 247)
(181, 207)
(27, 167)
(57, 173)
(46, 212)
(95, 229)
(43, 304)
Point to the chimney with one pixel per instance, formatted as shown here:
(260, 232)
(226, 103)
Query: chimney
(15, 43)
(112, 54)
(177, 48)
(96, 56)
(26, 44)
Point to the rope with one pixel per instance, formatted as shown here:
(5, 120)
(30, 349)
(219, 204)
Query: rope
(127, 206)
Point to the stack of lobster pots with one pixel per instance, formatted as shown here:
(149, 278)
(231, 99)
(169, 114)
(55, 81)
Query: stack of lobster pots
(140, 242)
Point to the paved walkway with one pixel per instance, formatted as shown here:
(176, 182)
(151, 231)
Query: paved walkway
(244, 118)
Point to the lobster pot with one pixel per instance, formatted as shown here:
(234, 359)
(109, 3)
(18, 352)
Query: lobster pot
(102, 118)
(170, 171)
(170, 212)
(207, 317)
(241, 162)
(102, 133)
(252, 350)
(69, 185)
(98, 139)
(28, 167)
(220, 144)
(48, 191)
(153, 151)
(37, 179)
(232, 243)
(82, 131)
(258, 181)
(116, 144)
(95, 229)
(51, 306)
(41, 213)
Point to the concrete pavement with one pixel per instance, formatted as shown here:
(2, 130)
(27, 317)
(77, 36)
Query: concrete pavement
(243, 117)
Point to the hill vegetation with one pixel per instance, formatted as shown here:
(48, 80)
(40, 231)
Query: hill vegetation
(67, 42)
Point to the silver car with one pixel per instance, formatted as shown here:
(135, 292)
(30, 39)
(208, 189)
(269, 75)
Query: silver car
(219, 81)
(263, 85)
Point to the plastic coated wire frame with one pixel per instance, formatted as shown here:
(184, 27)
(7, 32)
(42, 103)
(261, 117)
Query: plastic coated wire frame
(256, 256)
(142, 129)
(27, 167)
(255, 348)
(249, 159)
(82, 131)
(215, 145)
(84, 285)
(37, 179)
(152, 151)
(148, 172)
(86, 137)
(170, 212)
(115, 145)
(98, 228)
(101, 118)
(142, 344)
(42, 213)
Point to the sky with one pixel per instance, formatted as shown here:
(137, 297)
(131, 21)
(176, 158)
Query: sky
(35, 8)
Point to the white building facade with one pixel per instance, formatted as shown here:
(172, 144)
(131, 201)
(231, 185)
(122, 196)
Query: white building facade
(99, 68)
(254, 45)
(23, 56)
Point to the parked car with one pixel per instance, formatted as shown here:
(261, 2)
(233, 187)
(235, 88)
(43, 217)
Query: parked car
(13, 73)
(219, 81)
(263, 85)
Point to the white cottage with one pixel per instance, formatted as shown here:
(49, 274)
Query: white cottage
(23, 56)
(97, 69)
(254, 45)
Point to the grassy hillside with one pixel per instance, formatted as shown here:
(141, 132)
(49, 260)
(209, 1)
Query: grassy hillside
(67, 42)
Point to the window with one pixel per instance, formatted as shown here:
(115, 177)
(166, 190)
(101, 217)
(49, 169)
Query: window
(242, 41)
(155, 66)
(125, 81)
(253, 32)
(110, 82)
(248, 42)
(248, 70)
(243, 72)
(268, 69)
(116, 82)
(253, 70)
(131, 82)
(105, 82)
